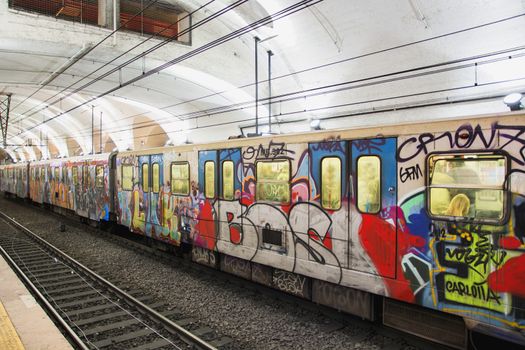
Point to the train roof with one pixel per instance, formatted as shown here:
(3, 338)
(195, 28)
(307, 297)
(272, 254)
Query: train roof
(100, 156)
(486, 120)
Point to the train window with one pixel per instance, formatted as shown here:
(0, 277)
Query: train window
(85, 175)
(145, 177)
(74, 174)
(156, 177)
(127, 177)
(99, 179)
(469, 186)
(369, 184)
(64, 174)
(57, 174)
(180, 178)
(331, 183)
(209, 179)
(273, 181)
(227, 180)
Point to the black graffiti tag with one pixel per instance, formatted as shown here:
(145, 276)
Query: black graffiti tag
(464, 137)
(331, 144)
(478, 256)
(410, 173)
(275, 150)
(369, 145)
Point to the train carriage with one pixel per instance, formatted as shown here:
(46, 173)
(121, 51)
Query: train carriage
(15, 179)
(37, 181)
(428, 215)
(425, 214)
(78, 184)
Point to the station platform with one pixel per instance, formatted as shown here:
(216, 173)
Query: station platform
(23, 323)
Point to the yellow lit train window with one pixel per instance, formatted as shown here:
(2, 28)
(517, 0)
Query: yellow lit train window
(99, 179)
(209, 179)
(273, 181)
(227, 180)
(127, 177)
(180, 178)
(369, 184)
(156, 177)
(57, 174)
(74, 173)
(331, 183)
(145, 177)
(64, 174)
(467, 186)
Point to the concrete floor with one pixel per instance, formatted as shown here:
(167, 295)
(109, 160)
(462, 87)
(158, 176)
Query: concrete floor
(24, 324)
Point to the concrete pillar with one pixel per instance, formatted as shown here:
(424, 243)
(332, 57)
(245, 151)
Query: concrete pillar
(184, 24)
(106, 15)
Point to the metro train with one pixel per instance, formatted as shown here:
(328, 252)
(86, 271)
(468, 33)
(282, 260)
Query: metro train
(420, 225)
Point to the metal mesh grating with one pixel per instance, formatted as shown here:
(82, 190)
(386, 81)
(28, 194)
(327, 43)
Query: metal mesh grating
(158, 19)
(83, 11)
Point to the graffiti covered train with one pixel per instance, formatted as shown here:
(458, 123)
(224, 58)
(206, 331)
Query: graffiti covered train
(412, 215)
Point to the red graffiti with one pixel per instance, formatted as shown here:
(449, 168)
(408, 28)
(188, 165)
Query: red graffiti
(327, 240)
(509, 242)
(509, 278)
(235, 234)
(378, 238)
(205, 228)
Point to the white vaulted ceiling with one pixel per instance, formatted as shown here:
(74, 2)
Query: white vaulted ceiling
(345, 62)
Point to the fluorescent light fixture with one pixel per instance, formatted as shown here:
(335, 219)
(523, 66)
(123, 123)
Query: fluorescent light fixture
(513, 101)
(315, 124)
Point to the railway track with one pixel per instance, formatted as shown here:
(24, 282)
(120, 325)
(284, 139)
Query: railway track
(147, 247)
(93, 312)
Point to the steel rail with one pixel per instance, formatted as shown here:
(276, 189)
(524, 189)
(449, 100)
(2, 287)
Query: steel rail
(170, 325)
(50, 309)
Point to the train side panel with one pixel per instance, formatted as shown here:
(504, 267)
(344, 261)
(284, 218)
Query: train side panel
(372, 214)
(470, 263)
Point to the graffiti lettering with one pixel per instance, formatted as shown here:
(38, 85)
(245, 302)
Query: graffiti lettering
(410, 173)
(275, 150)
(480, 256)
(464, 137)
(368, 146)
(288, 282)
(474, 291)
(331, 144)
(203, 256)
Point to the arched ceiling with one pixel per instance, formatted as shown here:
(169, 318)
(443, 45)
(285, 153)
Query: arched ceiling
(346, 63)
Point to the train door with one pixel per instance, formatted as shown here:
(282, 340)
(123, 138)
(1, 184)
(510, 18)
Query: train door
(157, 181)
(373, 223)
(229, 170)
(206, 230)
(151, 179)
(328, 220)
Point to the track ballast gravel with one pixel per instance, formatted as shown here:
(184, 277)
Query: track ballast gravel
(253, 320)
